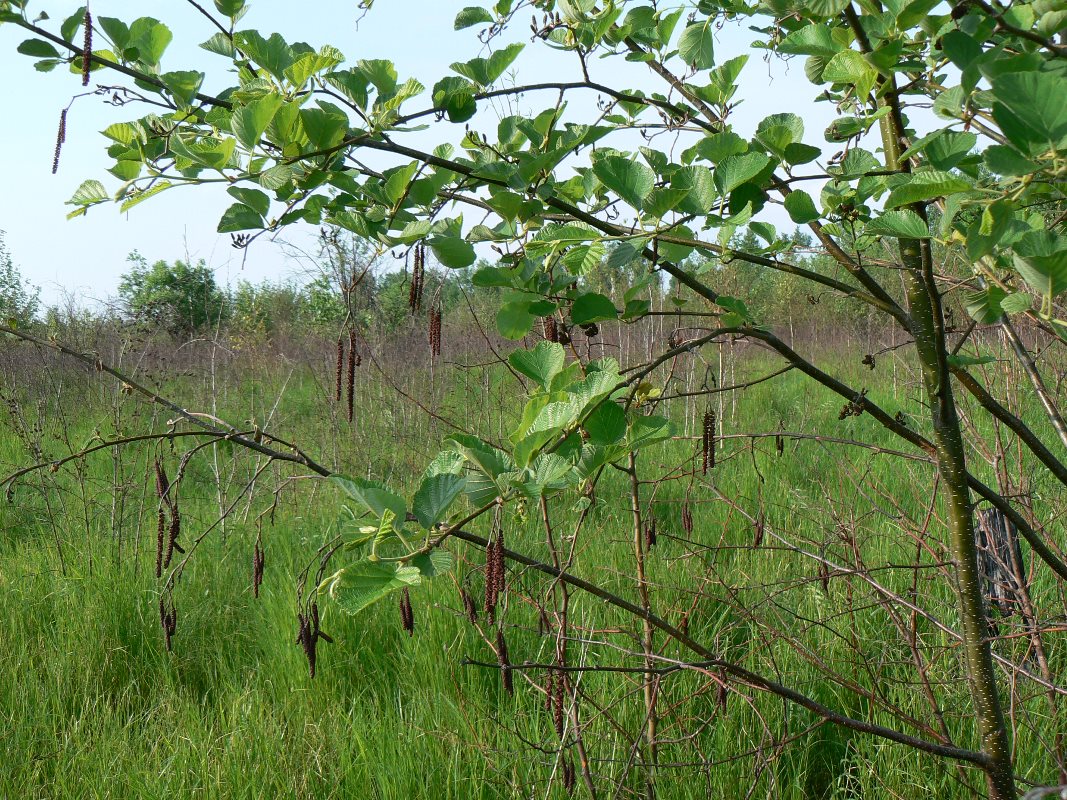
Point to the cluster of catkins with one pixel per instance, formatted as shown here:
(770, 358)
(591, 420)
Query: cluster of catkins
(308, 635)
(166, 534)
(345, 374)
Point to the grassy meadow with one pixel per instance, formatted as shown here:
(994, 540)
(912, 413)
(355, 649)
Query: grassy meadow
(93, 706)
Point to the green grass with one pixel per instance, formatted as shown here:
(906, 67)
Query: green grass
(93, 705)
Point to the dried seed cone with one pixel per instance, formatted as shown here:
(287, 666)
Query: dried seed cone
(61, 138)
(87, 47)
(504, 661)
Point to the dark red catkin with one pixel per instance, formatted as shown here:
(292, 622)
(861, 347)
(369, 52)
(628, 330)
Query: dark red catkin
(339, 369)
(417, 276)
(557, 705)
(87, 47)
(687, 518)
(569, 778)
(723, 692)
(757, 538)
(550, 689)
(505, 662)
(61, 138)
(650, 533)
(779, 443)
(407, 617)
(257, 566)
(494, 573)
(350, 382)
(708, 443)
(435, 332)
(168, 617)
(173, 533)
(492, 589)
(162, 484)
(824, 577)
(551, 333)
(306, 641)
(161, 538)
(468, 605)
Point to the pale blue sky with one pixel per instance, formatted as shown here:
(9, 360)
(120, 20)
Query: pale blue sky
(85, 256)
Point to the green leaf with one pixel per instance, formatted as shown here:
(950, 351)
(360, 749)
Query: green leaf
(249, 122)
(38, 48)
(736, 170)
(963, 361)
(592, 307)
(89, 192)
(240, 217)
(254, 198)
(273, 54)
(276, 177)
(1007, 161)
(483, 71)
(922, 186)
(220, 44)
(183, 85)
(456, 97)
(150, 37)
(541, 364)
(436, 562)
(899, 224)
(1029, 108)
(514, 320)
(984, 306)
(1016, 303)
(1041, 258)
(630, 180)
(850, 67)
(434, 496)
(366, 582)
(325, 126)
(696, 46)
(230, 8)
(811, 40)
(374, 496)
(607, 423)
(648, 430)
(800, 207)
(452, 251)
(471, 16)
